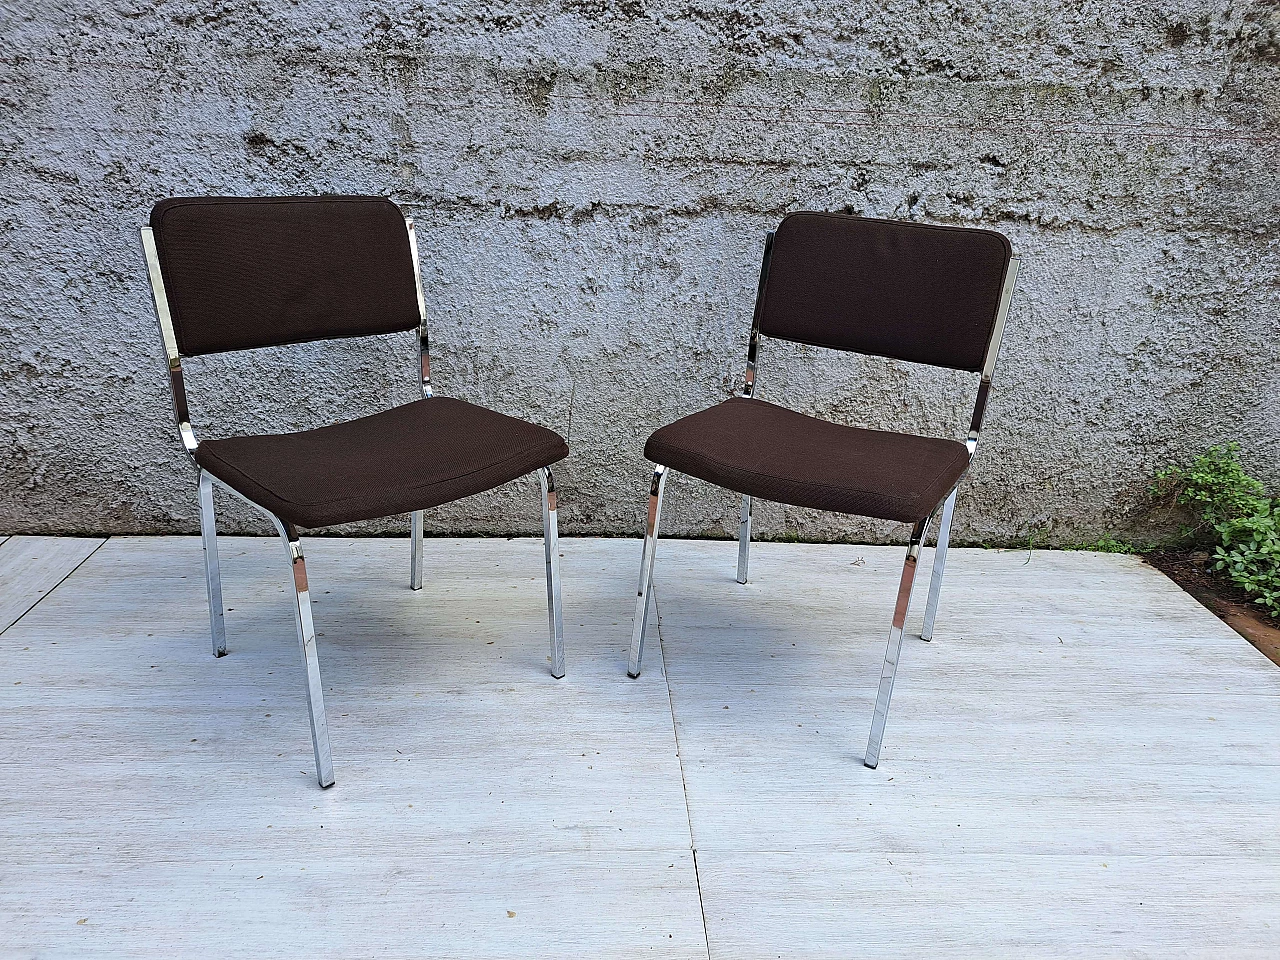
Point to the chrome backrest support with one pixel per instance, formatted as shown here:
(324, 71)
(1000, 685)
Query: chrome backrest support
(165, 318)
(993, 353)
(424, 347)
(753, 346)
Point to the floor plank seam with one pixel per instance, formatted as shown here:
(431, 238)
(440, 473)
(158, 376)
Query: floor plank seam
(684, 786)
(48, 593)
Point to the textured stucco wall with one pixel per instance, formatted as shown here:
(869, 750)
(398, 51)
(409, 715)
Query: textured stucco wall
(592, 180)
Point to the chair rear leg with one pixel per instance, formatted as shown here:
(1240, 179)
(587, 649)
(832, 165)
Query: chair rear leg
(310, 658)
(415, 551)
(744, 539)
(894, 646)
(551, 547)
(212, 571)
(939, 565)
(641, 623)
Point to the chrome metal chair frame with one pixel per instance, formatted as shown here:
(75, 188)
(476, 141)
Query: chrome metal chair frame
(893, 648)
(289, 535)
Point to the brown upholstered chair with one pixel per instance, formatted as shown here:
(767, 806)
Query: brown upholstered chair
(908, 291)
(234, 274)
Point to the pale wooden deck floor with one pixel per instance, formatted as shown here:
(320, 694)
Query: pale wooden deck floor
(1083, 763)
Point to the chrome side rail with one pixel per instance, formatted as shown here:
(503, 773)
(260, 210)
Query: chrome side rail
(306, 636)
(744, 539)
(551, 550)
(971, 443)
(641, 621)
(939, 565)
(415, 550)
(212, 569)
(893, 648)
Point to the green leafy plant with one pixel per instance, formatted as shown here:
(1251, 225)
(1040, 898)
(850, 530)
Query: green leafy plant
(1234, 511)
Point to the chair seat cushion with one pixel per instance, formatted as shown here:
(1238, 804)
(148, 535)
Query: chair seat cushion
(771, 452)
(412, 457)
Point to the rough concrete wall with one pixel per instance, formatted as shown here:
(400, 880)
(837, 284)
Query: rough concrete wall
(592, 180)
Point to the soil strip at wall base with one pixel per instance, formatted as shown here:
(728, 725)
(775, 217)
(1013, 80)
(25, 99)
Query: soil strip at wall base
(1231, 605)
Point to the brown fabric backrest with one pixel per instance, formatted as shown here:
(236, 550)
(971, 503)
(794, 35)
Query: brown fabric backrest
(264, 271)
(909, 291)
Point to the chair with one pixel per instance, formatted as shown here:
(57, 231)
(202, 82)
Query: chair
(908, 291)
(234, 274)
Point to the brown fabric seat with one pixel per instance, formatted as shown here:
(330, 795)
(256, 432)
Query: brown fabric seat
(413, 457)
(767, 451)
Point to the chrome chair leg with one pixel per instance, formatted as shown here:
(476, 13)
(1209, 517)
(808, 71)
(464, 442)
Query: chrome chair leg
(310, 658)
(551, 547)
(415, 551)
(894, 646)
(656, 489)
(212, 571)
(744, 539)
(939, 565)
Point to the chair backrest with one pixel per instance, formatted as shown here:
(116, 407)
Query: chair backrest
(909, 291)
(265, 271)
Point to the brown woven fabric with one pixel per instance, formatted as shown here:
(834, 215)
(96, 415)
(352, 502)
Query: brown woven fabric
(408, 458)
(773, 453)
(265, 271)
(909, 291)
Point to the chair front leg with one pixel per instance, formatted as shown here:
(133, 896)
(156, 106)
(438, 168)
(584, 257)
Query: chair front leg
(744, 539)
(551, 548)
(939, 565)
(310, 658)
(641, 622)
(894, 646)
(212, 571)
(415, 551)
